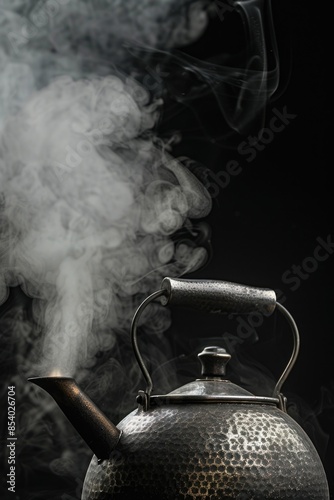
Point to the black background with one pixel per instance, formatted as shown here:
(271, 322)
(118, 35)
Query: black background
(268, 218)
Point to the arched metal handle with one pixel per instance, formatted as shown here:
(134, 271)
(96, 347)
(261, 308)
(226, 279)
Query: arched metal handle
(225, 296)
(295, 351)
(134, 324)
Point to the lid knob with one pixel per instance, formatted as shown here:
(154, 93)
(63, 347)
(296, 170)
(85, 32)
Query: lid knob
(214, 360)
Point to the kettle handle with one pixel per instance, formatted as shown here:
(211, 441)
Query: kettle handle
(134, 324)
(218, 297)
(164, 293)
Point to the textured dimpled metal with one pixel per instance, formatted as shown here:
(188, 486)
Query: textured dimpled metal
(209, 451)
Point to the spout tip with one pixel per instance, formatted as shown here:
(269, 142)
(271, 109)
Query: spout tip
(52, 382)
(37, 380)
(94, 427)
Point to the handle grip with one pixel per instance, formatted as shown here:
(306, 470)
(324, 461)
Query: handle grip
(220, 297)
(215, 297)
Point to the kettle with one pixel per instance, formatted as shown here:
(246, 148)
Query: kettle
(210, 439)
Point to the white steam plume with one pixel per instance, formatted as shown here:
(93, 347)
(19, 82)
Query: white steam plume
(91, 200)
(41, 40)
(90, 195)
(94, 208)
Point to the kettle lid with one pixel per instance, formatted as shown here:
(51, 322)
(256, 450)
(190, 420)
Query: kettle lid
(213, 386)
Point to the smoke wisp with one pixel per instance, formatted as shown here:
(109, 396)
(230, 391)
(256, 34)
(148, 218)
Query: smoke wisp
(94, 208)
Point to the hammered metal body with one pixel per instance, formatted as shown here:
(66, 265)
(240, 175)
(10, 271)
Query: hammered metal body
(209, 451)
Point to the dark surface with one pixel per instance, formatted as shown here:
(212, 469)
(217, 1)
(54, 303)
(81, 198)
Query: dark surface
(218, 297)
(267, 220)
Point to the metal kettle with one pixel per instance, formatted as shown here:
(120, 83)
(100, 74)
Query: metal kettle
(210, 439)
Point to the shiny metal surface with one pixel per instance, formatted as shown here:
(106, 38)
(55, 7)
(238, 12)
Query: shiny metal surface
(215, 297)
(211, 452)
(211, 440)
(207, 440)
(213, 361)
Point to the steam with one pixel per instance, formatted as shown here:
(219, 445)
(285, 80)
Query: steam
(90, 195)
(94, 208)
(94, 211)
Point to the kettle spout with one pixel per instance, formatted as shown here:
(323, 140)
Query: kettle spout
(100, 434)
